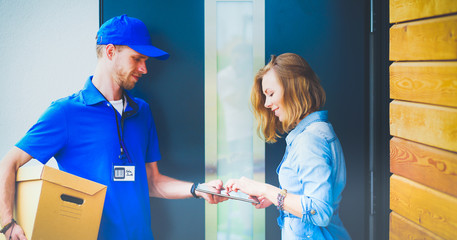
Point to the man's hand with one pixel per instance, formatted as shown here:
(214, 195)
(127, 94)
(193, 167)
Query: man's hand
(15, 232)
(210, 198)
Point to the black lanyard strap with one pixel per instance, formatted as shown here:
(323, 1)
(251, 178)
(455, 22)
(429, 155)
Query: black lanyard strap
(120, 130)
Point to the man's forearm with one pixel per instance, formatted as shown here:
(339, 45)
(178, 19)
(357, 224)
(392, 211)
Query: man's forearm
(7, 191)
(170, 188)
(8, 168)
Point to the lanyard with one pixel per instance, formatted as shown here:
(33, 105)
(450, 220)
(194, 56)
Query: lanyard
(122, 147)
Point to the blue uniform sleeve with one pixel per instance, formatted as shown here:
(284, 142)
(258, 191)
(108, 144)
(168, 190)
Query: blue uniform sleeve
(48, 136)
(314, 173)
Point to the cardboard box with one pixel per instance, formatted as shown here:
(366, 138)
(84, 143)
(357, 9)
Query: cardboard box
(52, 204)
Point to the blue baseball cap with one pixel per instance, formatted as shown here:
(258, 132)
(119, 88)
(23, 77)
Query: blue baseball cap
(132, 32)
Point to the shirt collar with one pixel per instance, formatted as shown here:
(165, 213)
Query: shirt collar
(90, 93)
(318, 116)
(92, 96)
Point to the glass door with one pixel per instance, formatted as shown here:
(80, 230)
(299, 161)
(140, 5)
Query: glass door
(234, 51)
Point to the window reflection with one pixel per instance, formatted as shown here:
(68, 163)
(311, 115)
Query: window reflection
(234, 119)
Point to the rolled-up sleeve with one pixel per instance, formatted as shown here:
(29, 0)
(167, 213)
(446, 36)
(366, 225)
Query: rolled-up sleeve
(314, 173)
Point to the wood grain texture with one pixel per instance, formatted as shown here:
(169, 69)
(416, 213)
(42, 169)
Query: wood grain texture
(401, 228)
(427, 165)
(429, 124)
(427, 82)
(426, 207)
(431, 39)
(406, 10)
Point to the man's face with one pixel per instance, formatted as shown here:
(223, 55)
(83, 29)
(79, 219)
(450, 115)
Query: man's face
(129, 66)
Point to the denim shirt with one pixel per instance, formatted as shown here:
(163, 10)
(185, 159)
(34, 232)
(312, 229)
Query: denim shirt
(313, 167)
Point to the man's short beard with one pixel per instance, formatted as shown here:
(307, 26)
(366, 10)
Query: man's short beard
(122, 82)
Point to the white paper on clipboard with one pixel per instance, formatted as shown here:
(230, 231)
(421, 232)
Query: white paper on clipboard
(223, 193)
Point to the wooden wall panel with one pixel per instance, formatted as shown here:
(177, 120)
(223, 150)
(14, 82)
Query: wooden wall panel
(426, 207)
(423, 119)
(427, 165)
(406, 10)
(431, 39)
(401, 228)
(430, 124)
(427, 82)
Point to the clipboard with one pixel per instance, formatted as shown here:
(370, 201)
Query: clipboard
(223, 193)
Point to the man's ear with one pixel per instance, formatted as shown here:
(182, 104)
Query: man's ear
(110, 50)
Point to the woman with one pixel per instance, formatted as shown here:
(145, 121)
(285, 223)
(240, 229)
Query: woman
(286, 98)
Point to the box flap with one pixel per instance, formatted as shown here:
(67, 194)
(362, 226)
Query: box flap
(29, 173)
(58, 177)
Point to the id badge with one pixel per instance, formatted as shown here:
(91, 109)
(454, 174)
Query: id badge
(123, 173)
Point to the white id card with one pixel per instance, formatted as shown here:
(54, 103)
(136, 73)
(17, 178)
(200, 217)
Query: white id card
(124, 173)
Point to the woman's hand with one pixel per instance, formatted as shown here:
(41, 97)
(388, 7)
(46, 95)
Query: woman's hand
(252, 188)
(246, 185)
(264, 203)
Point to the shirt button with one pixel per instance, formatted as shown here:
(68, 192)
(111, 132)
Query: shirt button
(107, 104)
(312, 211)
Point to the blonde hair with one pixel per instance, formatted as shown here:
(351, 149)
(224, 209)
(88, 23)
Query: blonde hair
(303, 94)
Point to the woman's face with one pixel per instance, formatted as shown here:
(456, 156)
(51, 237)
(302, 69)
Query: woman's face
(274, 94)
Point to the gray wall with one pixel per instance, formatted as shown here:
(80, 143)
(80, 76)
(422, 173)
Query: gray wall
(47, 51)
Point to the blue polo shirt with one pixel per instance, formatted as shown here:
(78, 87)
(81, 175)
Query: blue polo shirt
(80, 132)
